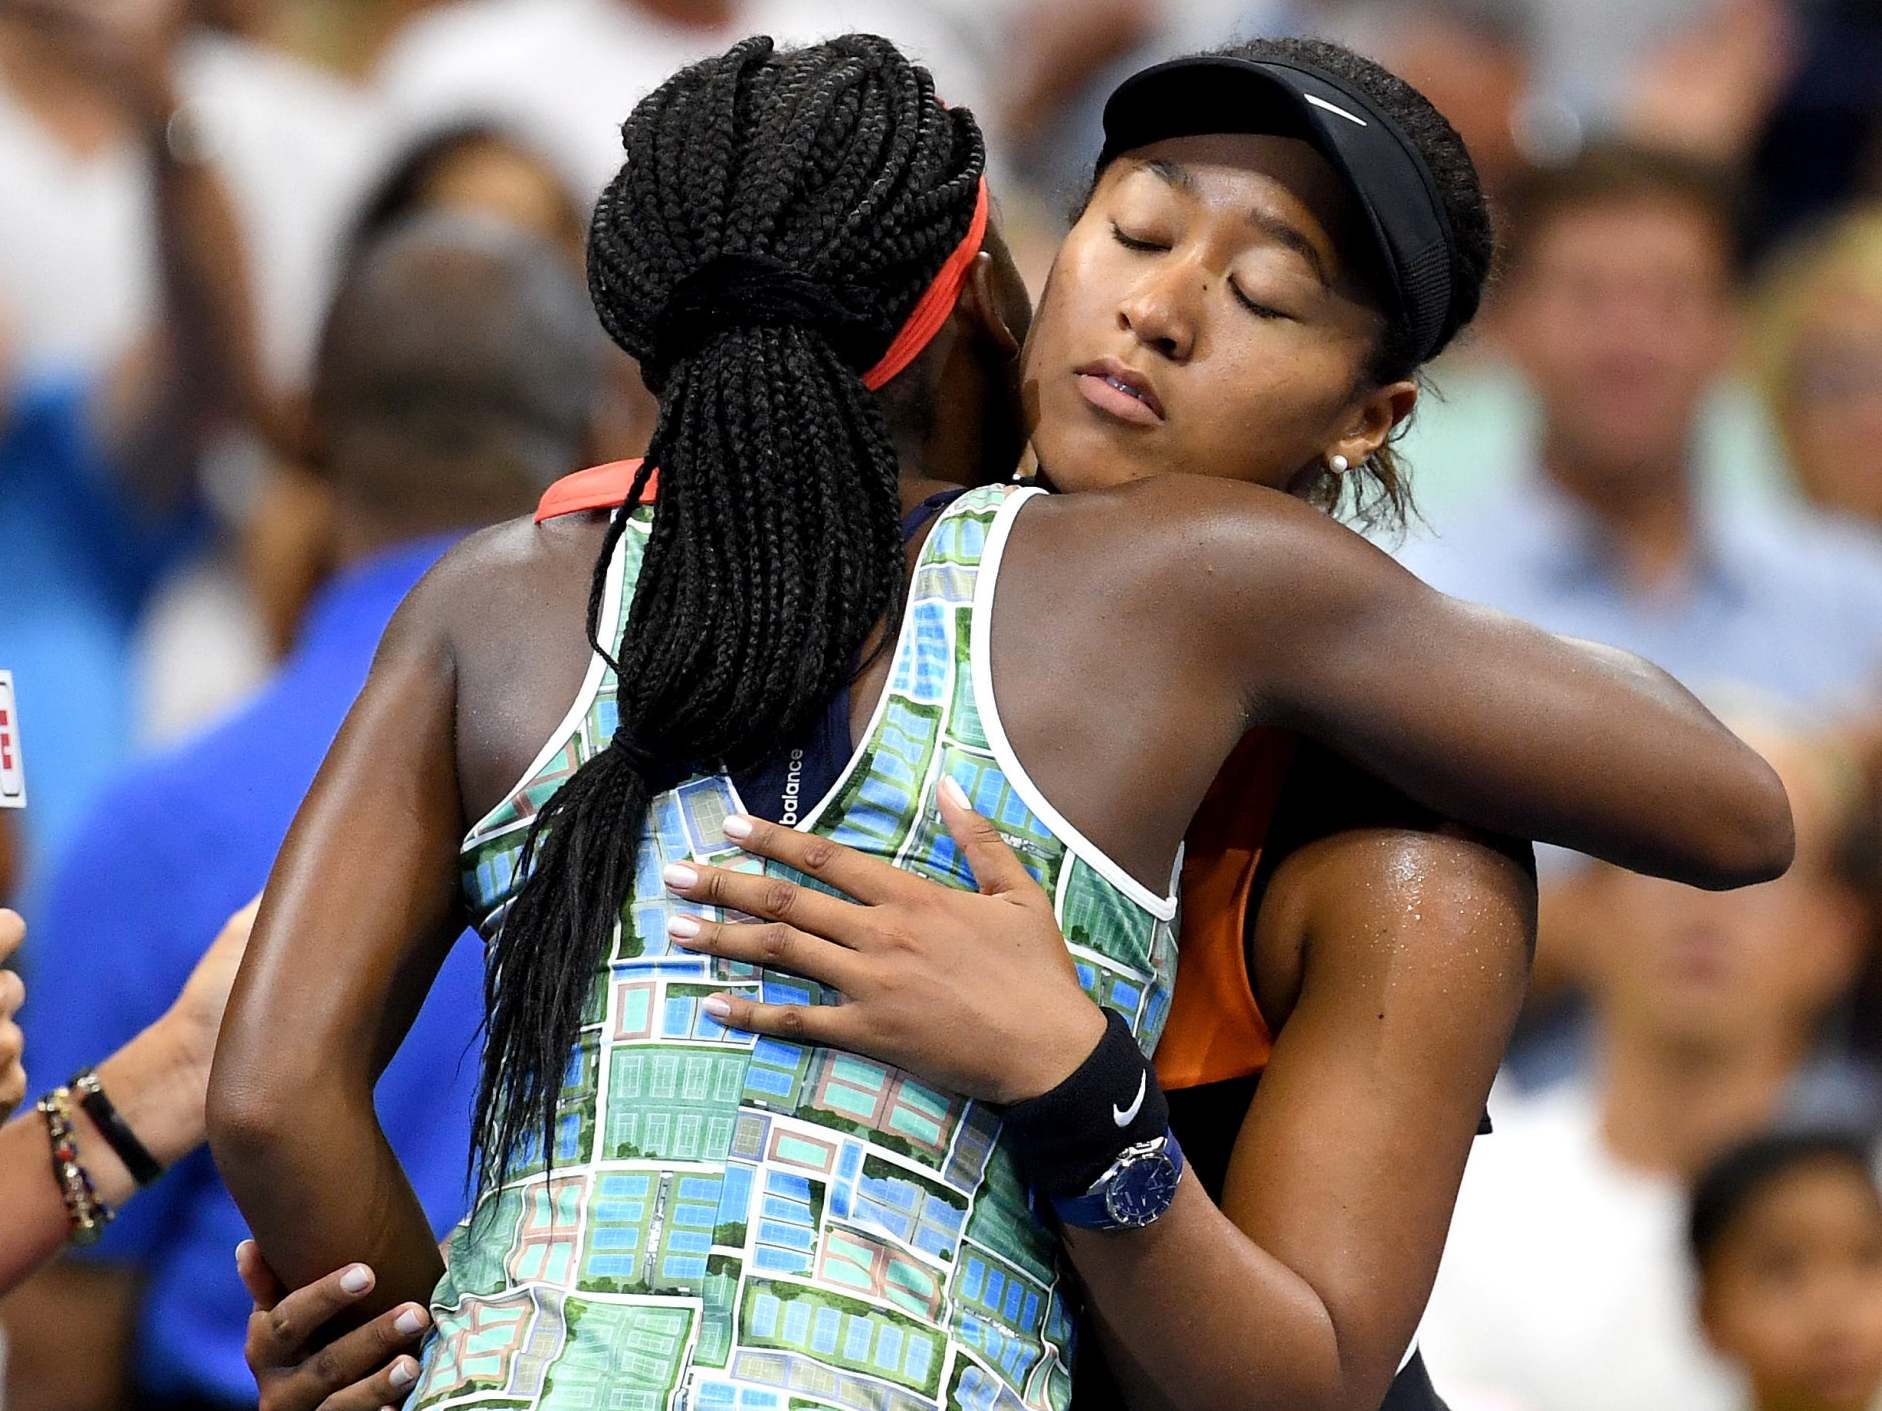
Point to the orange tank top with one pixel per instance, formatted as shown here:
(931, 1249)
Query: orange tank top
(1215, 1030)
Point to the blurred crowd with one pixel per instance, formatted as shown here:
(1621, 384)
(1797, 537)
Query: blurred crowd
(290, 297)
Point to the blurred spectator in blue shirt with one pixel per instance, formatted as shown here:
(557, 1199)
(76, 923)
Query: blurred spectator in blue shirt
(79, 559)
(457, 378)
(1621, 309)
(98, 470)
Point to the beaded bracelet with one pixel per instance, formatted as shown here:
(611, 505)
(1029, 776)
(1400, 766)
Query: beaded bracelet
(84, 1211)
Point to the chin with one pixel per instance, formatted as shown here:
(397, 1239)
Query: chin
(1086, 462)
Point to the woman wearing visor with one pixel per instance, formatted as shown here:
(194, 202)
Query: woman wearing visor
(1123, 734)
(1332, 931)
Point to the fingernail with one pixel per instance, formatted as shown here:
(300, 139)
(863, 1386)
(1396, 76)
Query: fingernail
(680, 877)
(403, 1374)
(720, 1009)
(683, 927)
(410, 1321)
(738, 826)
(357, 1279)
(241, 1250)
(956, 795)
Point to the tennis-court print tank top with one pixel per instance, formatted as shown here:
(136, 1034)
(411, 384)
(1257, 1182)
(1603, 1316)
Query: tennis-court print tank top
(738, 1223)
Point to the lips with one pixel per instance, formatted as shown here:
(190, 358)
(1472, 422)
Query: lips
(1120, 391)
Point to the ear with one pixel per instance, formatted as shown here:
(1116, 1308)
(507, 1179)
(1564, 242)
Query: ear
(994, 303)
(1371, 420)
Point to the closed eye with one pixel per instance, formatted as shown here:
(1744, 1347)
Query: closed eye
(1131, 242)
(1258, 310)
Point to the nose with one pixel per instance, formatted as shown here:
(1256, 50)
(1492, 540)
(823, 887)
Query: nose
(1161, 309)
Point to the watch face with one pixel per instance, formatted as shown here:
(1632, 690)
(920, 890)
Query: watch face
(1142, 1190)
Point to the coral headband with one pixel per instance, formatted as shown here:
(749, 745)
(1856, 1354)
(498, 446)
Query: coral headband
(935, 304)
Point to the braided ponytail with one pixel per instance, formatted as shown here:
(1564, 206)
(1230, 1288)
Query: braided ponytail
(777, 218)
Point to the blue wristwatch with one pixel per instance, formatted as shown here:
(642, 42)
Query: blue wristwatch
(1136, 1190)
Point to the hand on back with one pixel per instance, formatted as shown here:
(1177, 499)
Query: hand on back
(973, 991)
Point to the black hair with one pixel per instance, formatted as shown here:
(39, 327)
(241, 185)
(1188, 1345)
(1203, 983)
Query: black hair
(400, 192)
(827, 178)
(1613, 172)
(1737, 1177)
(459, 356)
(1380, 490)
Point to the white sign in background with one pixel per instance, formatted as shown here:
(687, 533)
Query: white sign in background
(12, 765)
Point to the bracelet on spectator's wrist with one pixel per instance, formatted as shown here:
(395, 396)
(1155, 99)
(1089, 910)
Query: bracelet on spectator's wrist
(86, 1214)
(144, 1167)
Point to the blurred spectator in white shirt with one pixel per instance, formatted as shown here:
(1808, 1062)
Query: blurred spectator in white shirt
(1621, 308)
(78, 263)
(1565, 1285)
(99, 496)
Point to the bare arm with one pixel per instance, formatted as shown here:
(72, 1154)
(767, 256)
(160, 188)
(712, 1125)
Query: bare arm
(199, 370)
(156, 1082)
(1469, 711)
(361, 910)
(200, 373)
(1322, 1253)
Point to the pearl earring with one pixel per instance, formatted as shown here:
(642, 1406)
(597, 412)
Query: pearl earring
(1339, 465)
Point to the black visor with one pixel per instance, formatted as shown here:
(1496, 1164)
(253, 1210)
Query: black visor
(1412, 239)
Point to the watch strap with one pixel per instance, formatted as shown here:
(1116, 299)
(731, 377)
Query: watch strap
(1092, 1210)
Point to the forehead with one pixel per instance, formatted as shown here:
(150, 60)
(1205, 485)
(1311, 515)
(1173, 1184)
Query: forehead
(1634, 230)
(1238, 174)
(1805, 1197)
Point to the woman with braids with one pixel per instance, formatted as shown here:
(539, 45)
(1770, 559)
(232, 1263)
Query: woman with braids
(669, 1213)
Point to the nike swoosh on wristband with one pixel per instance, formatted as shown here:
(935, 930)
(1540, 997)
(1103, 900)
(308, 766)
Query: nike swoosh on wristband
(1124, 1116)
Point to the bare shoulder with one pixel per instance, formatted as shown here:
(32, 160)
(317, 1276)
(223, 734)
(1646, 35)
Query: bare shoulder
(520, 552)
(1439, 909)
(511, 604)
(508, 577)
(1246, 552)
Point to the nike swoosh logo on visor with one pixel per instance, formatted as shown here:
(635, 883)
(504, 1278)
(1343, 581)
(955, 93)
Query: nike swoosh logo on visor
(1124, 1116)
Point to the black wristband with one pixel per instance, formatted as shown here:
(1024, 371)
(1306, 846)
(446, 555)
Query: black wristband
(144, 1167)
(1065, 1139)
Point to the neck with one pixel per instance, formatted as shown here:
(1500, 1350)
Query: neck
(943, 454)
(1668, 1104)
(1645, 510)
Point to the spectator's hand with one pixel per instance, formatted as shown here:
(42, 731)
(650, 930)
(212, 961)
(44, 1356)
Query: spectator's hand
(196, 1016)
(12, 996)
(972, 991)
(126, 47)
(363, 1371)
